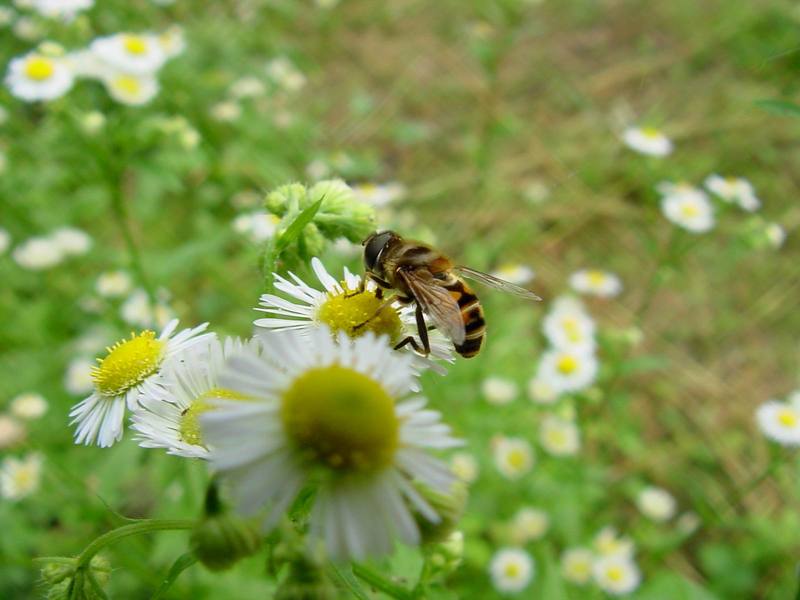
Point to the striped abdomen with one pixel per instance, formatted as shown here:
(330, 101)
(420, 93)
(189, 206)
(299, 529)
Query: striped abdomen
(471, 314)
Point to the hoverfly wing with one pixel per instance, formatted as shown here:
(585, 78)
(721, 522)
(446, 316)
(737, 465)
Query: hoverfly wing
(437, 303)
(496, 283)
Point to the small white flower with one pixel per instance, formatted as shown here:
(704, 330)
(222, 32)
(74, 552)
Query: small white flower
(536, 192)
(137, 310)
(780, 422)
(568, 326)
(608, 542)
(284, 74)
(172, 41)
(541, 391)
(129, 372)
(72, 241)
(515, 273)
(29, 406)
(129, 89)
(20, 477)
(247, 87)
(130, 53)
(61, 9)
(511, 570)
(595, 282)
(27, 28)
(113, 284)
(78, 378)
(734, 190)
(513, 457)
(38, 253)
(12, 432)
(7, 15)
(529, 524)
(37, 77)
(656, 503)
(576, 565)
(5, 240)
(568, 369)
(647, 140)
(776, 234)
(92, 122)
(226, 111)
(559, 437)
(378, 195)
(616, 575)
(687, 207)
(259, 226)
(499, 390)
(464, 466)
(318, 169)
(688, 523)
(335, 412)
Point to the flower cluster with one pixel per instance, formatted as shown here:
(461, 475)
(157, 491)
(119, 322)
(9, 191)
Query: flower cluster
(609, 563)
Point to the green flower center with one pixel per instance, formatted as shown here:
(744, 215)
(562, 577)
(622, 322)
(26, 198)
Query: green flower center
(341, 418)
(355, 314)
(189, 426)
(128, 363)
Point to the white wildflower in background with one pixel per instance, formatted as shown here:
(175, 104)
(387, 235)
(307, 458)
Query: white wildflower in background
(28, 29)
(12, 432)
(20, 477)
(38, 253)
(5, 240)
(61, 9)
(647, 140)
(259, 226)
(780, 421)
(511, 570)
(78, 378)
(169, 417)
(318, 169)
(541, 391)
(464, 466)
(736, 190)
(513, 457)
(687, 207)
(569, 326)
(282, 72)
(130, 53)
(172, 41)
(113, 284)
(129, 372)
(335, 411)
(226, 111)
(776, 234)
(608, 542)
(515, 273)
(656, 504)
(568, 369)
(137, 310)
(559, 437)
(37, 77)
(594, 282)
(528, 524)
(247, 87)
(378, 195)
(92, 122)
(688, 523)
(133, 90)
(536, 192)
(616, 575)
(72, 241)
(576, 565)
(499, 390)
(7, 16)
(29, 406)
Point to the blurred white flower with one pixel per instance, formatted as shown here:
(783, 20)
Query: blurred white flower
(92, 122)
(78, 378)
(780, 421)
(647, 140)
(226, 111)
(687, 206)
(27, 29)
(37, 77)
(536, 192)
(616, 575)
(513, 457)
(132, 90)
(541, 391)
(259, 226)
(528, 524)
(499, 390)
(247, 87)
(734, 190)
(136, 310)
(608, 542)
(29, 406)
(511, 570)
(576, 565)
(515, 273)
(72, 241)
(656, 503)
(246, 199)
(113, 284)
(595, 282)
(776, 234)
(559, 437)
(61, 9)
(318, 169)
(568, 369)
(20, 477)
(378, 195)
(130, 53)
(464, 466)
(7, 15)
(569, 326)
(5, 240)
(688, 523)
(172, 41)
(12, 432)
(38, 253)
(284, 74)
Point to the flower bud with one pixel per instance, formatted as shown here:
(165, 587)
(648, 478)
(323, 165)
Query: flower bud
(449, 507)
(445, 557)
(219, 541)
(305, 581)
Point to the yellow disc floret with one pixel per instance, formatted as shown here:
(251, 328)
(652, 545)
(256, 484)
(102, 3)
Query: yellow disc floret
(189, 426)
(567, 364)
(355, 313)
(788, 418)
(341, 418)
(134, 44)
(128, 85)
(39, 68)
(128, 363)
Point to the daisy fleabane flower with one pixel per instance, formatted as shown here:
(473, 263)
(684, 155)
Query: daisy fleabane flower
(130, 370)
(168, 418)
(616, 574)
(62, 9)
(780, 421)
(131, 53)
(333, 414)
(340, 308)
(35, 76)
(512, 570)
(647, 140)
(595, 282)
(686, 206)
(736, 190)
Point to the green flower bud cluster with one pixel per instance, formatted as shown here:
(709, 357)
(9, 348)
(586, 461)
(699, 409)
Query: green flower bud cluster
(450, 507)
(66, 581)
(445, 557)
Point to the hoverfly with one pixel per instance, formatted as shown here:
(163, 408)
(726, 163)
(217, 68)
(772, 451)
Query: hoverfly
(419, 273)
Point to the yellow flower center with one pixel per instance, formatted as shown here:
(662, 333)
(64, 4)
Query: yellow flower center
(580, 569)
(788, 418)
(596, 277)
(39, 68)
(128, 363)
(341, 418)
(689, 210)
(189, 426)
(615, 573)
(134, 44)
(567, 364)
(572, 329)
(557, 437)
(651, 132)
(128, 85)
(517, 458)
(355, 314)
(512, 570)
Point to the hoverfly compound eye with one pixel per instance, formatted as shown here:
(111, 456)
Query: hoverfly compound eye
(373, 246)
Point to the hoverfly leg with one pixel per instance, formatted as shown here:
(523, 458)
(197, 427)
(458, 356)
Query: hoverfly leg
(380, 308)
(410, 340)
(423, 330)
(362, 286)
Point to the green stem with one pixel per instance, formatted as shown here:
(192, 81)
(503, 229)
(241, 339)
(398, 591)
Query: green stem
(128, 530)
(379, 582)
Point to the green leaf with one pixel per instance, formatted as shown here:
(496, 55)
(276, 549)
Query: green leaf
(183, 562)
(783, 108)
(294, 230)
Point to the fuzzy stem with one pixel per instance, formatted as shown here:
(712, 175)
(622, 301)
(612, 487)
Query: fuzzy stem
(379, 582)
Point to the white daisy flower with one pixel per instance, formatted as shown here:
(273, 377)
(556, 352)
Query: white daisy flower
(464, 466)
(92, 122)
(72, 241)
(130, 53)
(736, 190)
(113, 284)
(20, 477)
(132, 90)
(136, 310)
(570, 327)
(28, 406)
(499, 390)
(780, 422)
(332, 414)
(247, 87)
(37, 77)
(616, 575)
(226, 111)
(559, 437)
(608, 542)
(169, 417)
(511, 570)
(576, 565)
(647, 140)
(513, 457)
(61, 9)
(529, 524)
(12, 432)
(656, 503)
(541, 391)
(594, 282)
(687, 207)
(5, 240)
(284, 74)
(568, 369)
(515, 273)
(259, 226)
(340, 309)
(128, 372)
(38, 253)
(78, 378)
(776, 234)
(172, 41)
(28, 29)
(378, 195)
